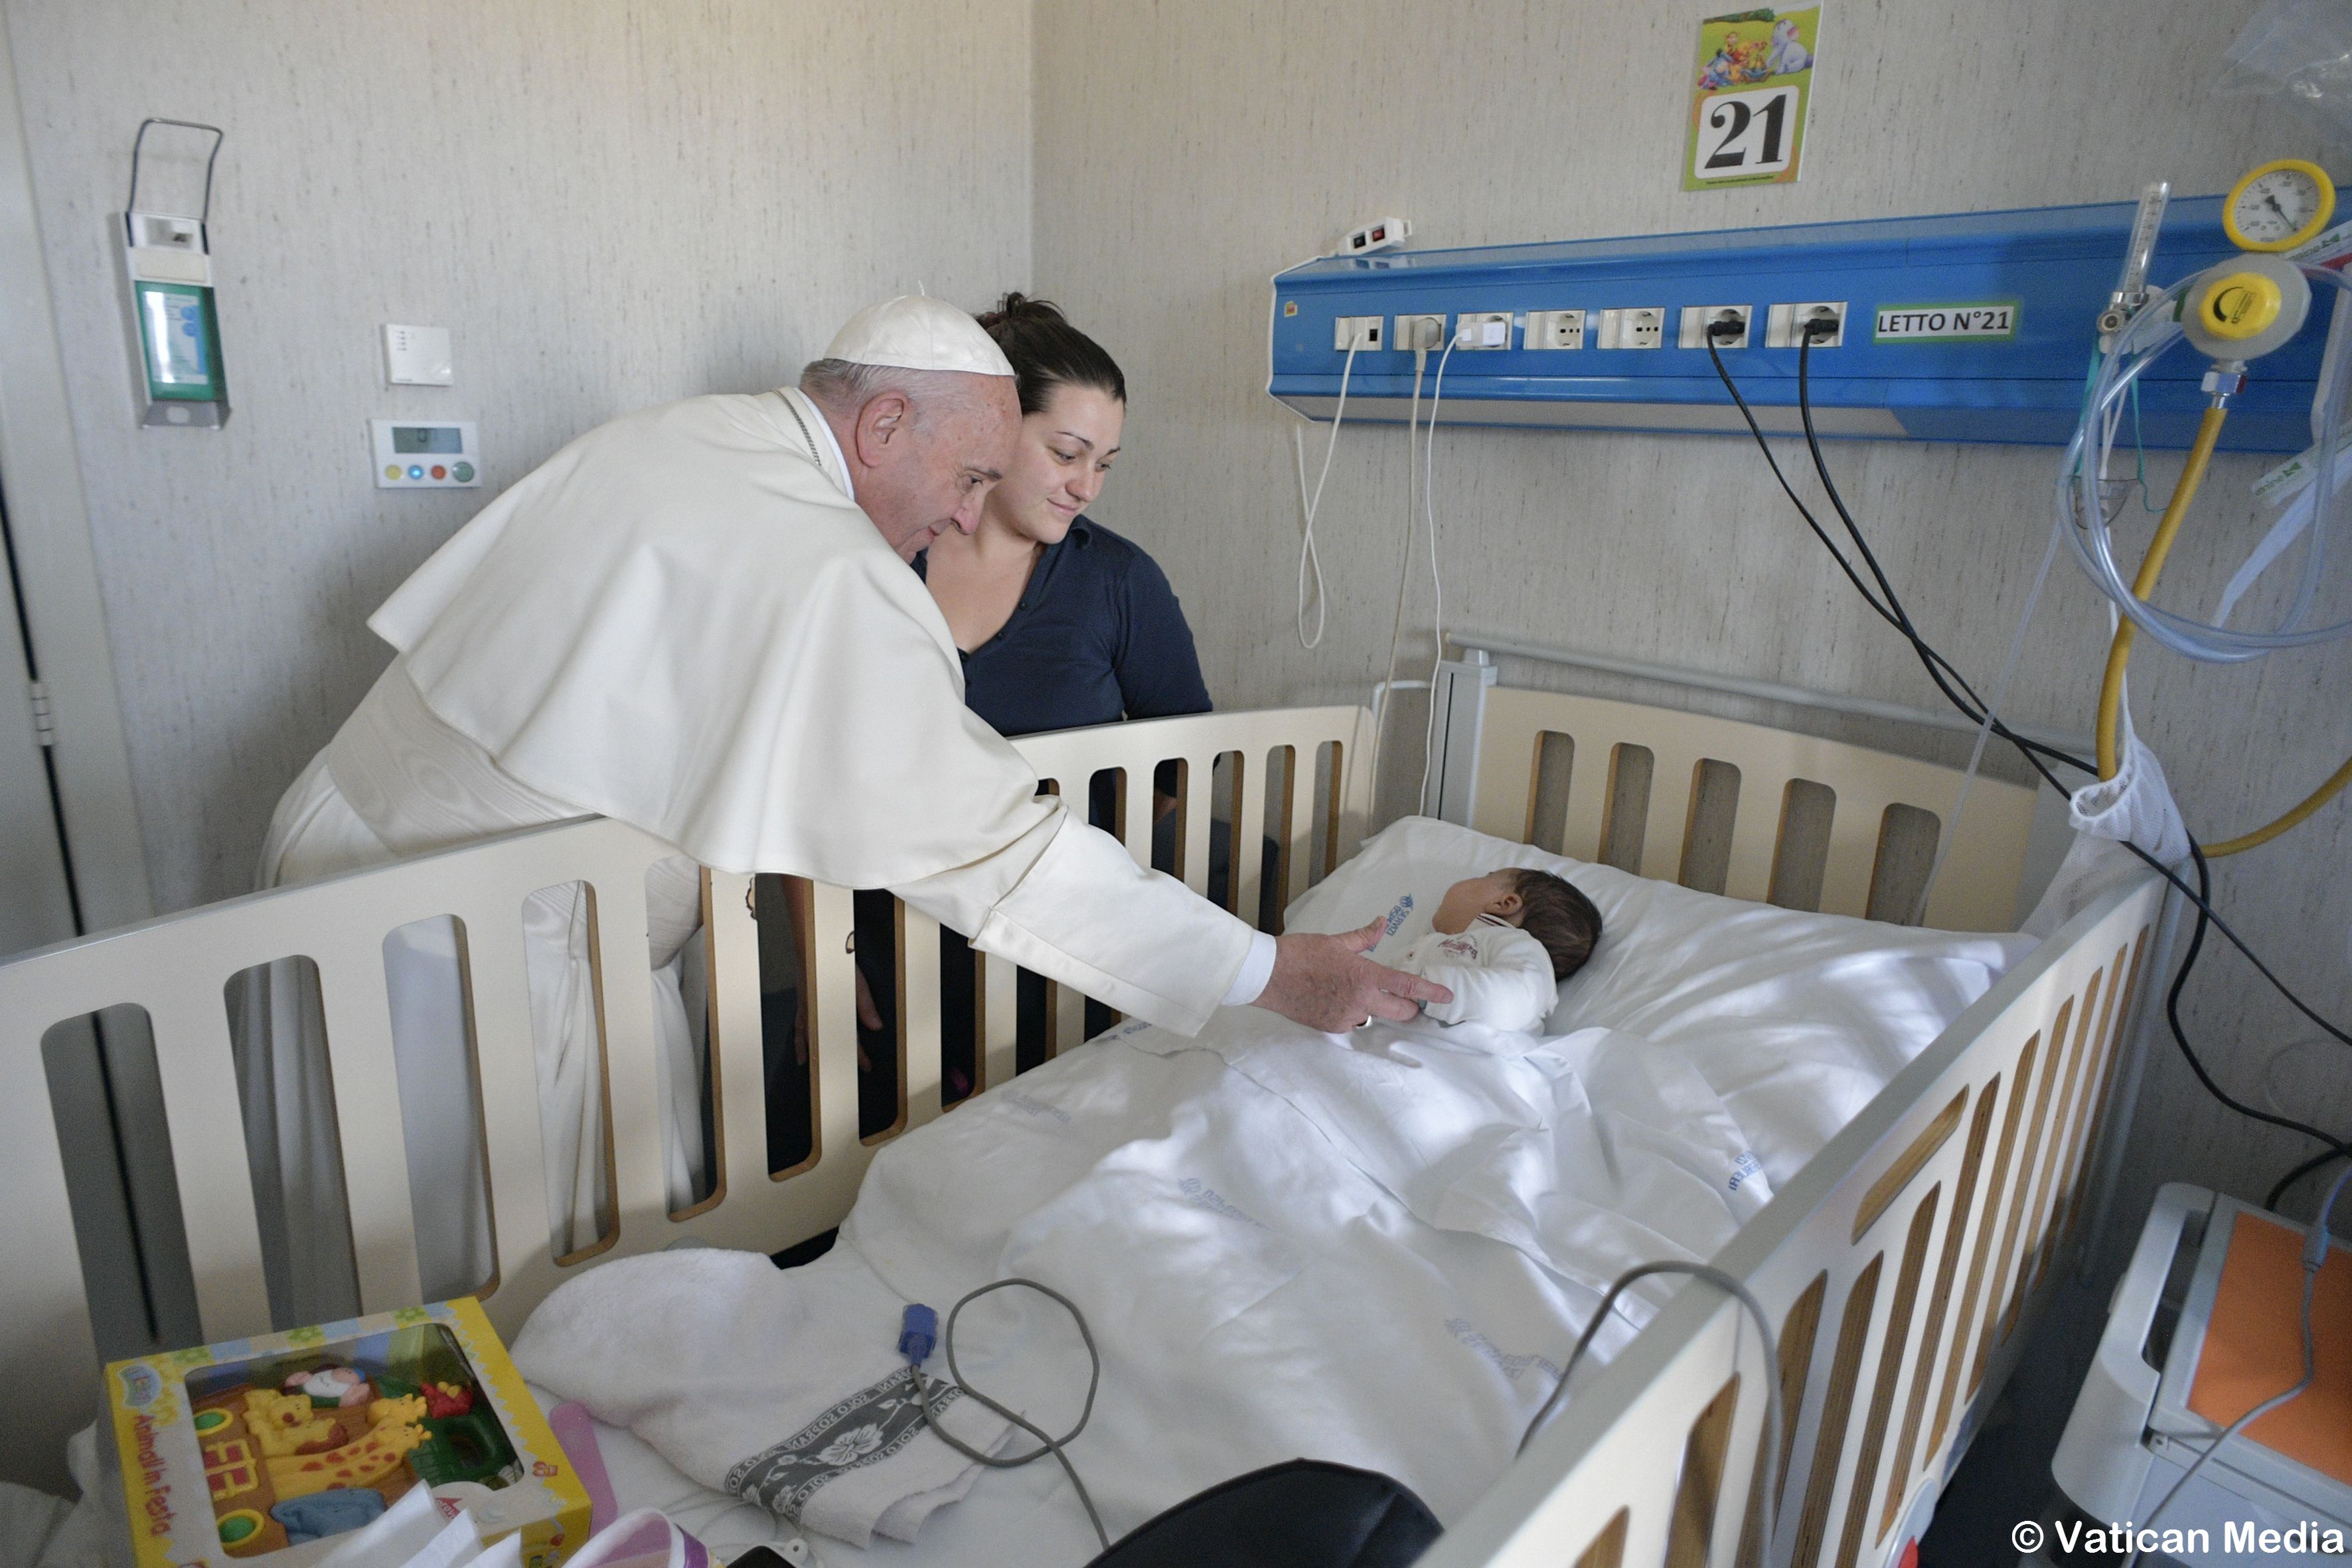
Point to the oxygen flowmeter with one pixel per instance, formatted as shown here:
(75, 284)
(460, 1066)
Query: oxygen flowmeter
(174, 328)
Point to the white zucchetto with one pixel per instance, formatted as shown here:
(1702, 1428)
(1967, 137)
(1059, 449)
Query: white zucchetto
(915, 331)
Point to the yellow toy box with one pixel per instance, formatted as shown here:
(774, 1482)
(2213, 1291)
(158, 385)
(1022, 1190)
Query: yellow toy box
(264, 1450)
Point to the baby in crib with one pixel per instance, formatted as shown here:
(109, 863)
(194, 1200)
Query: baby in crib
(1502, 943)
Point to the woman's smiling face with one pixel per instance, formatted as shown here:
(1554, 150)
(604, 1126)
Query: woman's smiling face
(1058, 463)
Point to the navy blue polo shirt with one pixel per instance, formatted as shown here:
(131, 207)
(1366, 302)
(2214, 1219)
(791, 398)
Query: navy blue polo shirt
(1098, 637)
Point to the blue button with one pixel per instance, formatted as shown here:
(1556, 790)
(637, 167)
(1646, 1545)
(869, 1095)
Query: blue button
(415, 472)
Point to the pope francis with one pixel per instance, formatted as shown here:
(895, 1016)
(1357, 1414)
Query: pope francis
(699, 619)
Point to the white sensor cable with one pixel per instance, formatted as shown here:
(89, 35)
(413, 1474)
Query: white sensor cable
(1307, 555)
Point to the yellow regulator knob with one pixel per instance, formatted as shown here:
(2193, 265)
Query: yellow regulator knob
(2242, 310)
(2240, 306)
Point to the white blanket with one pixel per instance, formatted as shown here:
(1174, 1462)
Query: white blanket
(1285, 1247)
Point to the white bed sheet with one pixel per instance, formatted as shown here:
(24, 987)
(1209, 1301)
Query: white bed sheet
(1374, 1251)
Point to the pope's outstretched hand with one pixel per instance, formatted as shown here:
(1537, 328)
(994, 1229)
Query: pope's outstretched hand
(1326, 982)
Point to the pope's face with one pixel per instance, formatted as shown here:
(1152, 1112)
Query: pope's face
(1058, 463)
(938, 478)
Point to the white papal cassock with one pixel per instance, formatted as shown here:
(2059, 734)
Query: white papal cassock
(682, 620)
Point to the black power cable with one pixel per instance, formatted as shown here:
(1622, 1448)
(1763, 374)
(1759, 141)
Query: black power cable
(1946, 677)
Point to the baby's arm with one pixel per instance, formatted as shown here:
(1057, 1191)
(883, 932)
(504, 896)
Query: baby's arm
(1513, 989)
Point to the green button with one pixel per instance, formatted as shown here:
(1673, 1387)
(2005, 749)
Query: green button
(464, 471)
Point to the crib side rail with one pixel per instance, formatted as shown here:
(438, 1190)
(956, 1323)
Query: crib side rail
(1295, 778)
(1900, 1267)
(1750, 810)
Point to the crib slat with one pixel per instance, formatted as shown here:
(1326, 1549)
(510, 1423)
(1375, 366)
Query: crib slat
(352, 988)
(1069, 1018)
(1249, 827)
(1000, 1037)
(739, 1061)
(1853, 852)
(48, 1359)
(1587, 799)
(520, 1216)
(834, 1048)
(633, 1055)
(1673, 780)
(919, 1013)
(1305, 763)
(1755, 831)
(1199, 782)
(208, 1156)
(1135, 791)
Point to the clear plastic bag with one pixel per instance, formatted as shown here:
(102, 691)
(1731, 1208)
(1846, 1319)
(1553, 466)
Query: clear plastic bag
(2300, 51)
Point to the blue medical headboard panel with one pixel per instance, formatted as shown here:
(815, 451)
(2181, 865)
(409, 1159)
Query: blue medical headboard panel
(2056, 267)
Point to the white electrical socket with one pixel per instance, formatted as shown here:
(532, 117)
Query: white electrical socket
(1554, 330)
(1696, 319)
(1483, 329)
(1784, 324)
(1361, 332)
(1633, 327)
(1418, 332)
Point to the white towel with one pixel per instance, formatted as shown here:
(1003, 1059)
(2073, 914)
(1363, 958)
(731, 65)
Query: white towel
(782, 1387)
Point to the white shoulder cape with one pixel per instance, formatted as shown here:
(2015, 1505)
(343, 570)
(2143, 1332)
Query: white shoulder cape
(679, 620)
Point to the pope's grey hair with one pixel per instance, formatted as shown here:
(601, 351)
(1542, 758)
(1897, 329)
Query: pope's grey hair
(843, 387)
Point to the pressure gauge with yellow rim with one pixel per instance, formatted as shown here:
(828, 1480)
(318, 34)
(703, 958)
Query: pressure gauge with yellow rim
(2279, 205)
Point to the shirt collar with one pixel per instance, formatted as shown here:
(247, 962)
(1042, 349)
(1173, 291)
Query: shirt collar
(827, 444)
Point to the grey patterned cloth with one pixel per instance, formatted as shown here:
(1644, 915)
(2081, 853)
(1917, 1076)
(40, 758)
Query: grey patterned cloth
(866, 1429)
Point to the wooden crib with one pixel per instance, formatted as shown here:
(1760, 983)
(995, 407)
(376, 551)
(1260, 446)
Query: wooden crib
(1901, 1265)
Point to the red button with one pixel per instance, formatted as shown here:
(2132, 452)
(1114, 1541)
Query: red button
(439, 472)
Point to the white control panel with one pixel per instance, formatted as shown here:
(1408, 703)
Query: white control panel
(426, 454)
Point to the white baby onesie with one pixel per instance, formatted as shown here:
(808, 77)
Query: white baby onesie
(1500, 976)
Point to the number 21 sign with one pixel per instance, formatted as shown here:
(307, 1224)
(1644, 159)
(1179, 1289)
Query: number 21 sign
(1755, 80)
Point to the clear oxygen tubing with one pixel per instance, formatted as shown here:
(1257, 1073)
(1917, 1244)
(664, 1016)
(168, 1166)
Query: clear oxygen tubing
(2152, 331)
(2151, 567)
(1984, 730)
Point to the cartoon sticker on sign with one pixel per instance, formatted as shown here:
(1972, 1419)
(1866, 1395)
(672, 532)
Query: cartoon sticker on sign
(1754, 88)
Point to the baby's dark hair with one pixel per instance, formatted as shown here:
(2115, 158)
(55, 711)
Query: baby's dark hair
(1047, 352)
(1554, 913)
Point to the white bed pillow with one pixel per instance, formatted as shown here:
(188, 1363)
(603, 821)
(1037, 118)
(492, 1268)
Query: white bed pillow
(1796, 1020)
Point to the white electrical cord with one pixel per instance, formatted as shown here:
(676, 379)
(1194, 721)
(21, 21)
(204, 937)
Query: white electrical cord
(2082, 515)
(1404, 572)
(1436, 583)
(1307, 555)
(2315, 1258)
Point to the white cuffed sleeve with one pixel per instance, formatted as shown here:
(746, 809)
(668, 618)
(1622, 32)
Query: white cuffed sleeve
(1070, 902)
(1257, 969)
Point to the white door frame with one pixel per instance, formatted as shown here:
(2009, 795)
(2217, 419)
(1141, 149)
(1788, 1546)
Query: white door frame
(48, 520)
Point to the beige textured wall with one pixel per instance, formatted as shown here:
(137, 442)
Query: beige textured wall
(609, 205)
(1186, 152)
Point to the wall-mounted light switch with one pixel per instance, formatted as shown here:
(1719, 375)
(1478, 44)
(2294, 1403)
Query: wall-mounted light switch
(416, 356)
